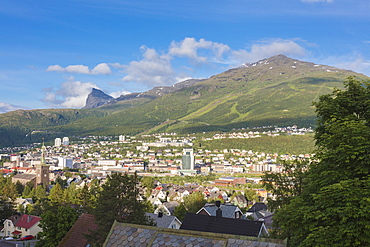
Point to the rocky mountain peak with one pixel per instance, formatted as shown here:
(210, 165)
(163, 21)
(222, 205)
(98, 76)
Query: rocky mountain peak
(97, 98)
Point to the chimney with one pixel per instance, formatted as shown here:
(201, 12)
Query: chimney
(160, 214)
(218, 211)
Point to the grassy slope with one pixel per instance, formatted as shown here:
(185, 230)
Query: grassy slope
(276, 92)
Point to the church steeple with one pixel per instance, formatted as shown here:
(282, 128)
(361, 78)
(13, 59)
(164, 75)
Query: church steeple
(42, 170)
(43, 161)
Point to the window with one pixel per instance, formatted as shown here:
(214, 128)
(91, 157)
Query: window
(8, 223)
(25, 229)
(18, 227)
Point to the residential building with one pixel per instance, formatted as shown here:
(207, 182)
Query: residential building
(57, 142)
(20, 225)
(165, 221)
(188, 159)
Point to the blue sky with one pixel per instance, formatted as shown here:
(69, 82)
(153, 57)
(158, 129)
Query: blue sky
(52, 53)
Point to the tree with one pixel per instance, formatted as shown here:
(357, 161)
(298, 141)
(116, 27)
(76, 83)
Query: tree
(55, 223)
(19, 187)
(40, 192)
(333, 206)
(56, 195)
(85, 199)
(194, 202)
(180, 211)
(287, 184)
(6, 208)
(118, 201)
(71, 194)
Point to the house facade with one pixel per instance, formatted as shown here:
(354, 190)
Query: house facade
(20, 225)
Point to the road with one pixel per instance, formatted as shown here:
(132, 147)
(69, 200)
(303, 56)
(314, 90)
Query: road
(15, 243)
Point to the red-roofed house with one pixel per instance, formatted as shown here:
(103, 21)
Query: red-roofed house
(21, 225)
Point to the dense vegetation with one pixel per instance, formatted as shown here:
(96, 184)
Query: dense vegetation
(329, 200)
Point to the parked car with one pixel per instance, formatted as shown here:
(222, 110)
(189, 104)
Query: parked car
(8, 238)
(27, 237)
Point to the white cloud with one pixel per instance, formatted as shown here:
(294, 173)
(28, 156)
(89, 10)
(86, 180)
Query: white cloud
(102, 68)
(79, 69)
(266, 50)
(6, 107)
(119, 93)
(355, 62)
(71, 94)
(153, 69)
(117, 65)
(189, 47)
(57, 68)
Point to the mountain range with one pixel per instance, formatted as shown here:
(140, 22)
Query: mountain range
(274, 91)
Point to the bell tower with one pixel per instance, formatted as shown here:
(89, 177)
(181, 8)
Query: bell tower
(42, 170)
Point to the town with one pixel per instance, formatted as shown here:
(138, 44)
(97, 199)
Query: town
(175, 166)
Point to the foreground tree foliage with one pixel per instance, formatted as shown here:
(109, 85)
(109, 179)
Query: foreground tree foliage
(118, 200)
(55, 223)
(333, 206)
(192, 203)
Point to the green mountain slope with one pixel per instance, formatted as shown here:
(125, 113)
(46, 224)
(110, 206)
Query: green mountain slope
(274, 91)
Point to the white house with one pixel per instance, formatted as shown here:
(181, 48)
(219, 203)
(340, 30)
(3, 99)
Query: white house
(21, 225)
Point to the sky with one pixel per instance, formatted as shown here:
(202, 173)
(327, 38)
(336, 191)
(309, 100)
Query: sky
(52, 53)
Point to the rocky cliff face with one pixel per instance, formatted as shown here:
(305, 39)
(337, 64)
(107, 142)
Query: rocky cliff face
(97, 98)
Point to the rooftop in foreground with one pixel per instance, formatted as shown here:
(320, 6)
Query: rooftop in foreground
(123, 234)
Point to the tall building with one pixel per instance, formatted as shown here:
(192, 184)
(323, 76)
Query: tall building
(42, 171)
(58, 142)
(65, 141)
(188, 159)
(65, 162)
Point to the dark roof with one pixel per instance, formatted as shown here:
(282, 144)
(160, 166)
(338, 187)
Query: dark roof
(75, 235)
(258, 206)
(205, 223)
(124, 234)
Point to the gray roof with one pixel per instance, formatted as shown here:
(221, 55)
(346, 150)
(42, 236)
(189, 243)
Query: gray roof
(123, 234)
(228, 210)
(164, 221)
(24, 176)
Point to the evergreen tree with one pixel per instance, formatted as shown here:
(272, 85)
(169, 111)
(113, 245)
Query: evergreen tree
(56, 195)
(19, 187)
(118, 201)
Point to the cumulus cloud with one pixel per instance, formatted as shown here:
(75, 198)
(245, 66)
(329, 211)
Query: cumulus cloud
(156, 69)
(266, 50)
(153, 69)
(102, 68)
(71, 94)
(189, 47)
(119, 93)
(6, 107)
